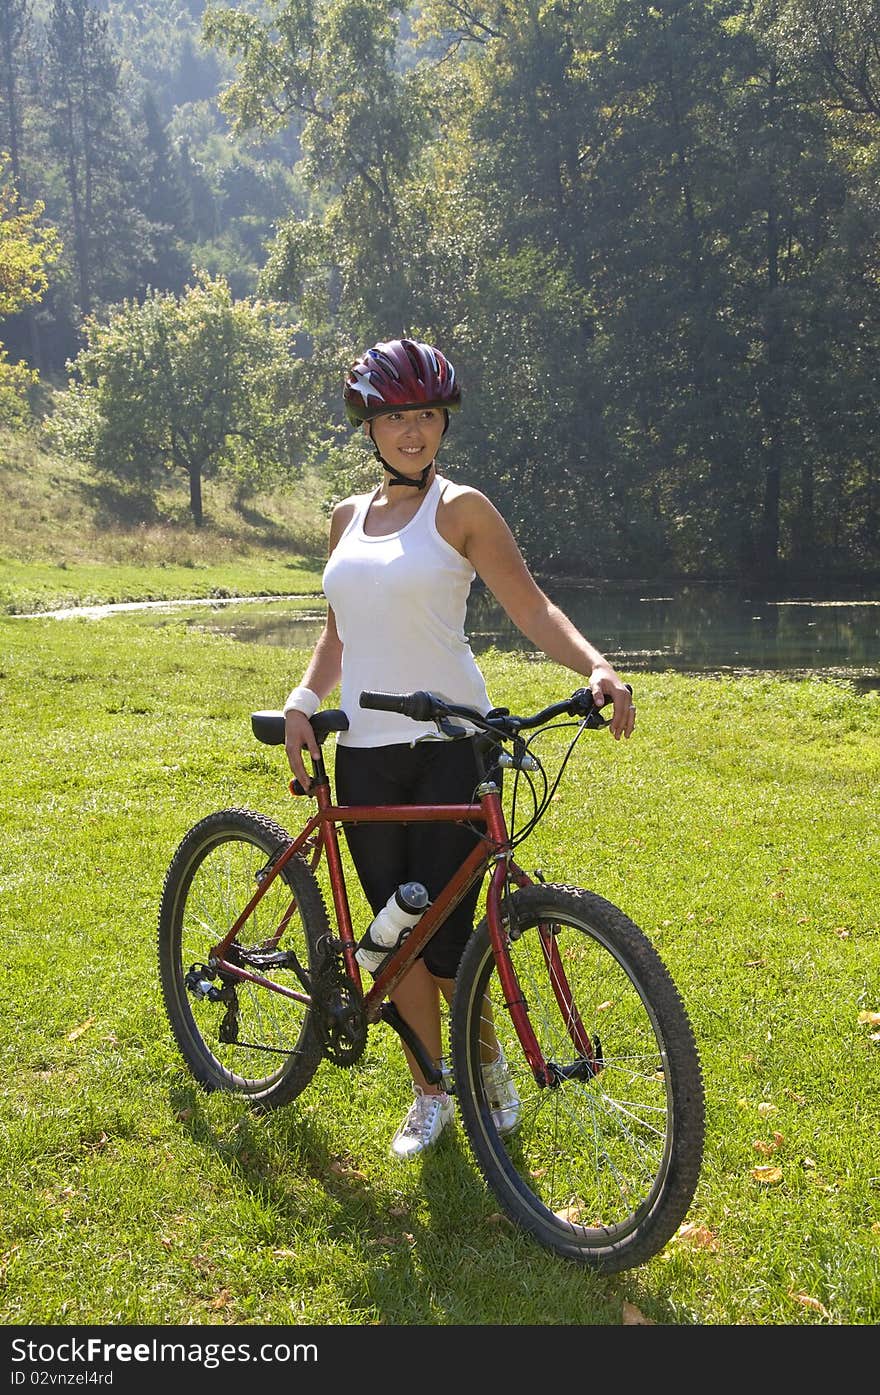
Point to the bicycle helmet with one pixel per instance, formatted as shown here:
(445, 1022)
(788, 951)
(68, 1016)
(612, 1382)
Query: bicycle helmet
(396, 376)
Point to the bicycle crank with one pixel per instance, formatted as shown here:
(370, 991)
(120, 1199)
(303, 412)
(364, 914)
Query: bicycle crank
(339, 1016)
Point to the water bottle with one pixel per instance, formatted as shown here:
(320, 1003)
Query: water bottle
(403, 909)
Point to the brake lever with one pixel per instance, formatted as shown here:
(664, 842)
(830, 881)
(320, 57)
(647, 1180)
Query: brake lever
(450, 729)
(593, 719)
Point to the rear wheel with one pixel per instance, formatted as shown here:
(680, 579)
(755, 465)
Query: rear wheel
(234, 1034)
(602, 1165)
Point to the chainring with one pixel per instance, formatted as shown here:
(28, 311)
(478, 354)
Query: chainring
(339, 1017)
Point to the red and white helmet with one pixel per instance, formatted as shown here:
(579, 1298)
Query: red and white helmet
(396, 376)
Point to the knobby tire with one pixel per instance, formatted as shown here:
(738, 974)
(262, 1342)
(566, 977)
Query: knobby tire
(603, 1167)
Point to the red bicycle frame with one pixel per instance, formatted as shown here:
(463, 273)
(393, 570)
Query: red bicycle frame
(320, 835)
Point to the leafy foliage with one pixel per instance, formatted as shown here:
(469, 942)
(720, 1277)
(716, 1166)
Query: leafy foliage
(646, 235)
(201, 383)
(27, 249)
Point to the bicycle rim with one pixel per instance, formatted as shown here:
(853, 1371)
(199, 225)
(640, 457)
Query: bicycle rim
(235, 1034)
(602, 1166)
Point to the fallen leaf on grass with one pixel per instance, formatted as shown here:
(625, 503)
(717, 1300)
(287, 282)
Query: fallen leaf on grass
(90, 1022)
(767, 1175)
(871, 1018)
(221, 1299)
(573, 1214)
(632, 1316)
(807, 1302)
(875, 1228)
(700, 1236)
(765, 1108)
(604, 1007)
(769, 1146)
(340, 1169)
(841, 931)
(284, 1254)
(183, 1114)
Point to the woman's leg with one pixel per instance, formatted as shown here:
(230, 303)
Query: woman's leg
(382, 857)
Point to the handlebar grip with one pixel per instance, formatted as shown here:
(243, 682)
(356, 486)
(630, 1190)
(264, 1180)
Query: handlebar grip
(383, 702)
(419, 706)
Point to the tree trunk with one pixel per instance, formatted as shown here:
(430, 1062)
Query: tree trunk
(195, 494)
(771, 404)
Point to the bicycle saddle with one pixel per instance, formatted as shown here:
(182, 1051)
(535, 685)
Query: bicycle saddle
(268, 727)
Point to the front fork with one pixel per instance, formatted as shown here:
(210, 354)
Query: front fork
(501, 932)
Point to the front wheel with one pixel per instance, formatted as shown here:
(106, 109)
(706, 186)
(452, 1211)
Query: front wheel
(602, 1165)
(234, 1033)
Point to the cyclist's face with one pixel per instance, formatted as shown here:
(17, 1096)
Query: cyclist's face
(409, 440)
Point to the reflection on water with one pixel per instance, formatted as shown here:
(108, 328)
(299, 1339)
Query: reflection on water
(689, 628)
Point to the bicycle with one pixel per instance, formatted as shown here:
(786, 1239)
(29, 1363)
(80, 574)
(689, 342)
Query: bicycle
(604, 1162)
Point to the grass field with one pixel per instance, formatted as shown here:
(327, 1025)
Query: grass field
(739, 828)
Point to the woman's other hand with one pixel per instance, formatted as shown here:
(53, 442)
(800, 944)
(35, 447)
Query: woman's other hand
(606, 686)
(299, 736)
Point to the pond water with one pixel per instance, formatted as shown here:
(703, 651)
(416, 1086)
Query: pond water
(689, 628)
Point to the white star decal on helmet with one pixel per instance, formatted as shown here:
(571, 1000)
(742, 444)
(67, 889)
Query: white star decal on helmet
(364, 386)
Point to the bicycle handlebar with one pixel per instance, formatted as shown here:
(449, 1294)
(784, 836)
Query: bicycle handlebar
(430, 707)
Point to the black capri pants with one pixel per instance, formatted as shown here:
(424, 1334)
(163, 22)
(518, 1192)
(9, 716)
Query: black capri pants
(387, 854)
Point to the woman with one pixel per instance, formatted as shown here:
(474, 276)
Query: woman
(401, 562)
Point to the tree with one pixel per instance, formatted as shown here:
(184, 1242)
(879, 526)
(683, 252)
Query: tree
(109, 237)
(197, 384)
(26, 250)
(165, 202)
(330, 66)
(14, 19)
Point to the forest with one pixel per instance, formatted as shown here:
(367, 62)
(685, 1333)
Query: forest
(647, 234)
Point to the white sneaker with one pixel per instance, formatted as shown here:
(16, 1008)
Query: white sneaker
(426, 1119)
(501, 1093)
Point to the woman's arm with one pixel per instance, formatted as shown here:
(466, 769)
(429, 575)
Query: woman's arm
(491, 549)
(322, 674)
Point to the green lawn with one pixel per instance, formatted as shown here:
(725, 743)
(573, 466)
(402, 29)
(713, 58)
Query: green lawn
(739, 828)
(28, 587)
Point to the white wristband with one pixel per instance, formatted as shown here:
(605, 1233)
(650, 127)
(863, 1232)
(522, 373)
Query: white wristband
(302, 700)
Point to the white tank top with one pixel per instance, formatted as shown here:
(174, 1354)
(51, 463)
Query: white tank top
(400, 602)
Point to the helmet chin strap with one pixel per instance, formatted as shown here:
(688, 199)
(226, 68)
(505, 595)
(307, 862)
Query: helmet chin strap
(398, 477)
